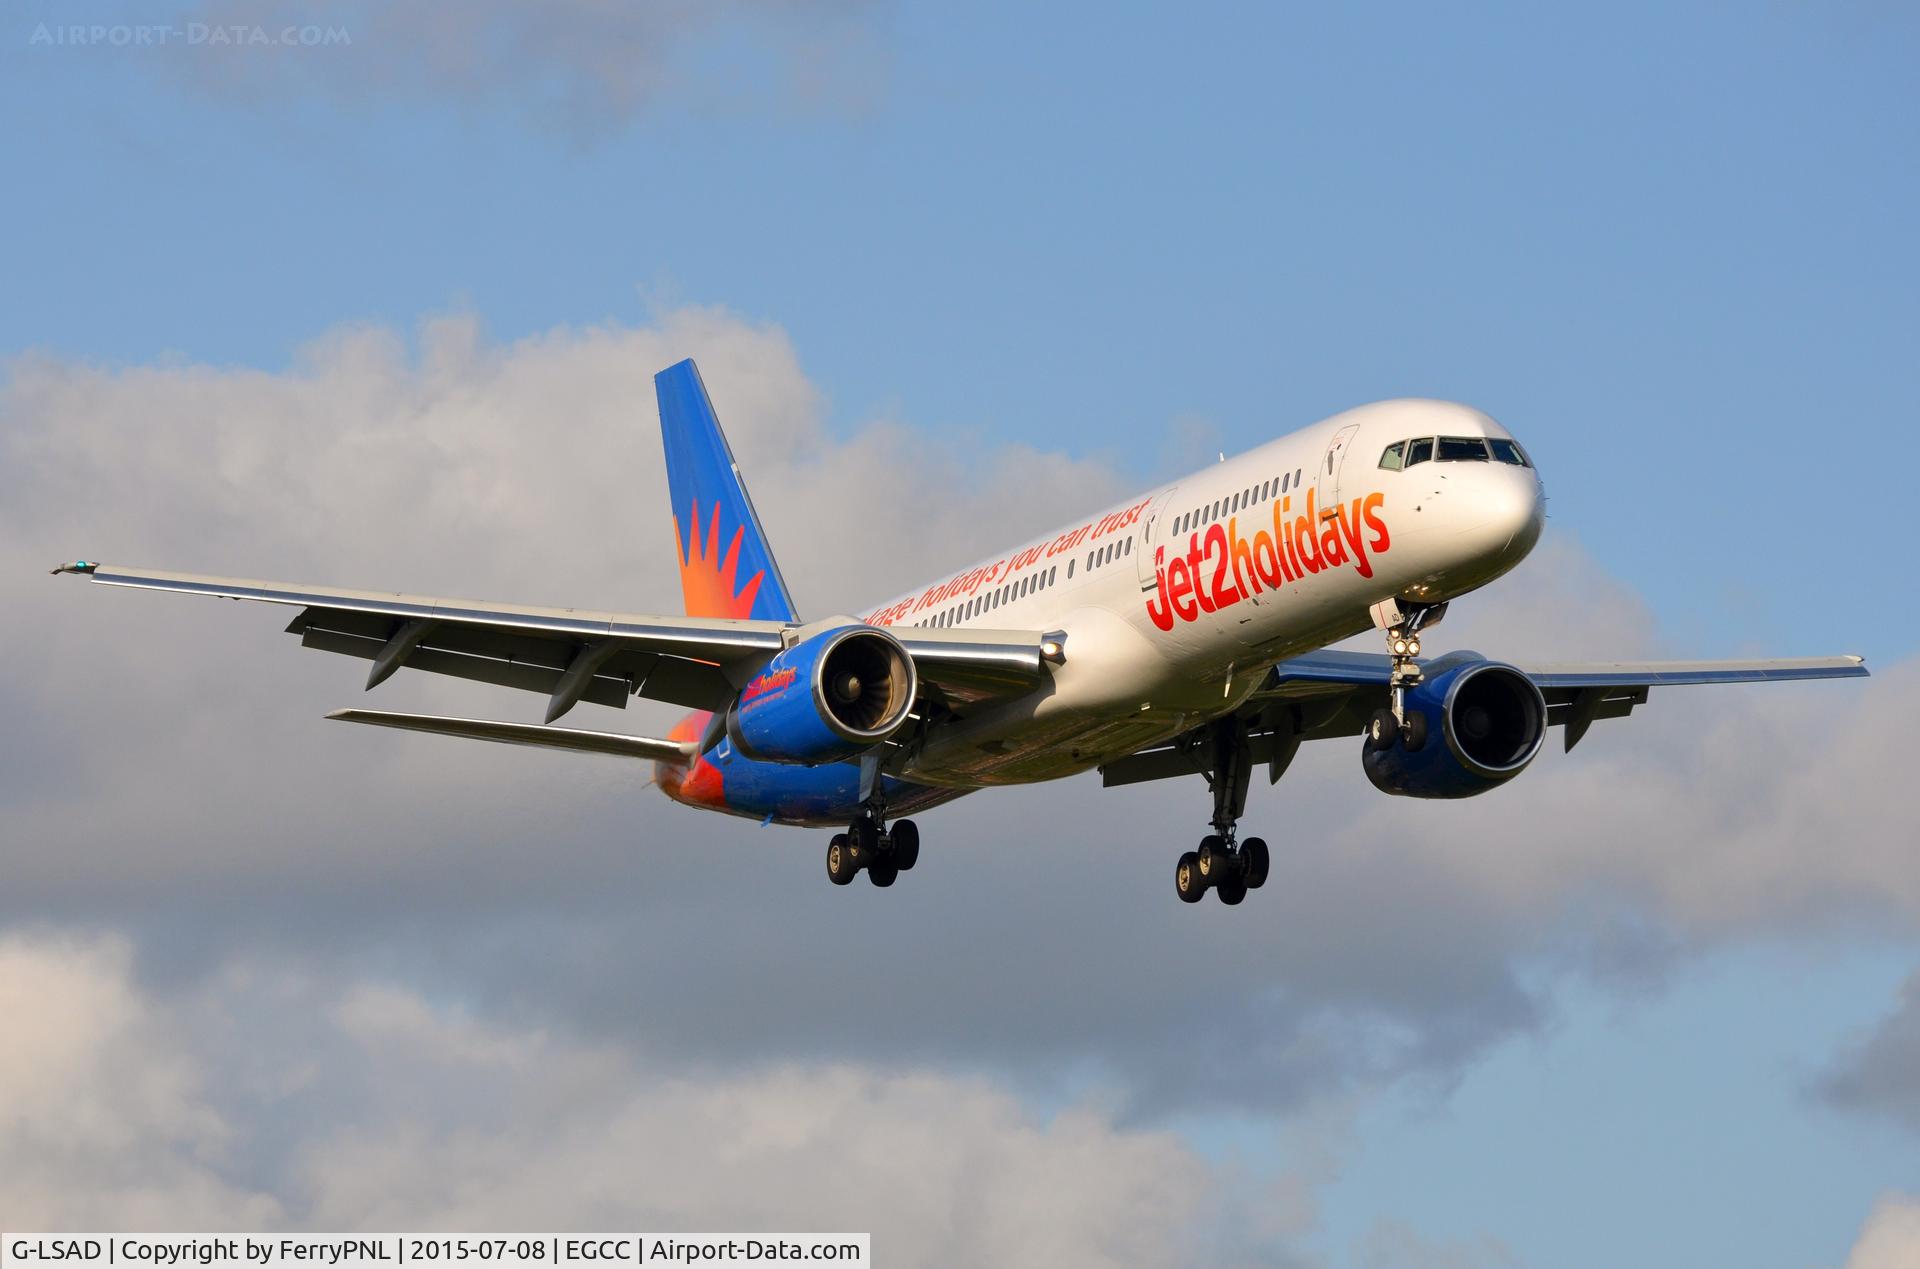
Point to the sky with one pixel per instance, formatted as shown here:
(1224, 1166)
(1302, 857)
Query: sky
(383, 310)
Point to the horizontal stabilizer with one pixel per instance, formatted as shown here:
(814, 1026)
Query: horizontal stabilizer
(526, 734)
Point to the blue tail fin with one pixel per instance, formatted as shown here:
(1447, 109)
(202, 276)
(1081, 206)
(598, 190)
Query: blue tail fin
(726, 567)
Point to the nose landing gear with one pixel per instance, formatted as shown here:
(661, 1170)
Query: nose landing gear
(1402, 623)
(1224, 864)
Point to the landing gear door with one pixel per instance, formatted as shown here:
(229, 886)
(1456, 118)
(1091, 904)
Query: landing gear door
(1146, 537)
(1327, 485)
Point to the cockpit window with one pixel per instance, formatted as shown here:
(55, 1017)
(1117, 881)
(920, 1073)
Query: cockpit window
(1463, 449)
(1419, 451)
(1391, 460)
(1507, 451)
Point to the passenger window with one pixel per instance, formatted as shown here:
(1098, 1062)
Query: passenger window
(1508, 451)
(1394, 456)
(1069, 570)
(1419, 451)
(1462, 449)
(1127, 547)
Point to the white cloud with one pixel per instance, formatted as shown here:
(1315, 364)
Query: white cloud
(103, 1117)
(125, 1109)
(1891, 1237)
(1879, 1072)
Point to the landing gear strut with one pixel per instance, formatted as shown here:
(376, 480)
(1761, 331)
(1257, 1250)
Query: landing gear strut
(868, 843)
(1402, 623)
(1225, 864)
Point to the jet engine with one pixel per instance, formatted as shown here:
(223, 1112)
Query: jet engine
(826, 699)
(1484, 722)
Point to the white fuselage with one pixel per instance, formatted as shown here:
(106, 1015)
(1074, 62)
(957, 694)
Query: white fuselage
(1174, 604)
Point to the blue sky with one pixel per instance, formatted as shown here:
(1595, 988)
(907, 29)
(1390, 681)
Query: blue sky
(1671, 247)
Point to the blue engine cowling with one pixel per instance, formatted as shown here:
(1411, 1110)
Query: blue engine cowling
(826, 699)
(1485, 722)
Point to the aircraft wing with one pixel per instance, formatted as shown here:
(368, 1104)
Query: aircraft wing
(570, 655)
(1331, 694)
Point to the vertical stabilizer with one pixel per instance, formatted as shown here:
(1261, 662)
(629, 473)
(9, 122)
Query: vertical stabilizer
(726, 565)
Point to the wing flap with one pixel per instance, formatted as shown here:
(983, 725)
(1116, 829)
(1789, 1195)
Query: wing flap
(480, 669)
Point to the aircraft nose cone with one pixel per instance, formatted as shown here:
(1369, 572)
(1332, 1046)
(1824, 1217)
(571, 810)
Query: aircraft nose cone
(1511, 510)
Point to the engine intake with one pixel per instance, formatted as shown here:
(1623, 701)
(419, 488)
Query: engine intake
(826, 699)
(1485, 722)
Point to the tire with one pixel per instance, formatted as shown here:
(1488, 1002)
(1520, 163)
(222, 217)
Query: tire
(840, 865)
(864, 837)
(906, 844)
(1186, 879)
(882, 874)
(1214, 862)
(1253, 852)
(1415, 735)
(1382, 730)
(1231, 890)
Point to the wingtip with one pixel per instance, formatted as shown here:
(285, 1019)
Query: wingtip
(78, 566)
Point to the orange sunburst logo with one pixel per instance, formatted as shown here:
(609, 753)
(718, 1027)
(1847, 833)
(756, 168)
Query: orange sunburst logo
(707, 581)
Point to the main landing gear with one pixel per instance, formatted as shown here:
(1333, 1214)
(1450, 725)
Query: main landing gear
(1402, 623)
(1225, 864)
(885, 853)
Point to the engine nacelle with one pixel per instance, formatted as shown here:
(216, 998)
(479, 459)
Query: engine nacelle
(825, 699)
(1485, 722)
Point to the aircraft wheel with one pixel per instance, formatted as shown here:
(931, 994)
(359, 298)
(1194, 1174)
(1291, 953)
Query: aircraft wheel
(840, 865)
(882, 874)
(863, 837)
(1231, 890)
(1414, 734)
(1187, 882)
(1382, 729)
(905, 843)
(1214, 860)
(1253, 855)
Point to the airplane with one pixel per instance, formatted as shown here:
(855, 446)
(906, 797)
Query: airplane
(1184, 631)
